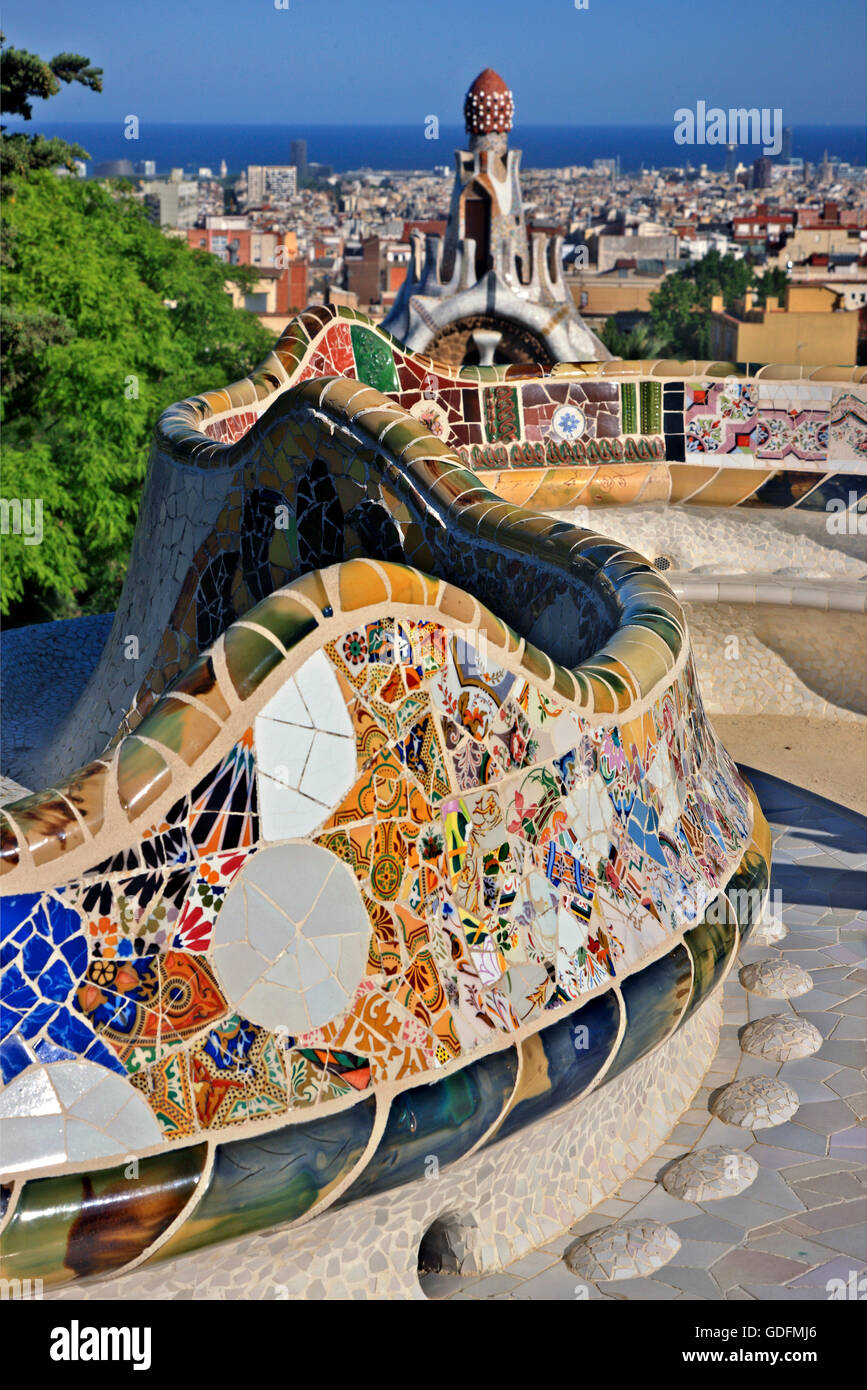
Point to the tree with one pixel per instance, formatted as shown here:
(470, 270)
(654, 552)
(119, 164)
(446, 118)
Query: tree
(774, 282)
(673, 312)
(640, 342)
(105, 322)
(680, 309)
(24, 76)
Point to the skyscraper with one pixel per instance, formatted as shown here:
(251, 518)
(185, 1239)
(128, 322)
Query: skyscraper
(786, 150)
(298, 157)
(762, 172)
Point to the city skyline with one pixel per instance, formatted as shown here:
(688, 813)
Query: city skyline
(618, 60)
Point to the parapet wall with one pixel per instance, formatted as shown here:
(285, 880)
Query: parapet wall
(411, 830)
(372, 839)
(439, 468)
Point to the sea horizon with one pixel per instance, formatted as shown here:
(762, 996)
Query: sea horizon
(401, 148)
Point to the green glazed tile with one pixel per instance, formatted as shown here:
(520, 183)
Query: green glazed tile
(250, 657)
(374, 362)
(142, 775)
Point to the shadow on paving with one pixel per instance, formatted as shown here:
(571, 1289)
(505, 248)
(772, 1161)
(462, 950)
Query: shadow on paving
(830, 826)
(815, 885)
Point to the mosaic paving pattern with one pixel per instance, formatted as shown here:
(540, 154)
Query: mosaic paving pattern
(623, 1251)
(756, 1102)
(710, 1174)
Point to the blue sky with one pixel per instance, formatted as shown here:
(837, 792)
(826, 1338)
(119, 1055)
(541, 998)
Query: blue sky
(396, 61)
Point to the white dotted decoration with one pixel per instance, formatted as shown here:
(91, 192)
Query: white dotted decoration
(709, 1174)
(781, 1038)
(756, 1102)
(623, 1251)
(776, 979)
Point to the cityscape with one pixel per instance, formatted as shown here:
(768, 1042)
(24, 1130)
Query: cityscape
(322, 237)
(433, 672)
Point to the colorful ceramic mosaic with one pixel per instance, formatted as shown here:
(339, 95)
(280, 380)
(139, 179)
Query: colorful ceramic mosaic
(745, 423)
(412, 785)
(337, 469)
(370, 836)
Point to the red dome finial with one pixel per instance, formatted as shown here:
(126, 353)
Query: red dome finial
(489, 107)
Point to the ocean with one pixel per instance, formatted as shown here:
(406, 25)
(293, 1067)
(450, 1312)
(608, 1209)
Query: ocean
(401, 147)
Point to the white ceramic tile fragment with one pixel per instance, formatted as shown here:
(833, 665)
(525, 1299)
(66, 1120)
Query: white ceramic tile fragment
(282, 749)
(285, 814)
(305, 752)
(288, 706)
(304, 936)
(84, 1142)
(330, 769)
(72, 1080)
(31, 1093)
(322, 695)
(31, 1142)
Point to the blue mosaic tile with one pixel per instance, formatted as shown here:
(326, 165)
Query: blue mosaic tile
(36, 955)
(37, 1019)
(49, 1052)
(65, 921)
(56, 982)
(14, 1058)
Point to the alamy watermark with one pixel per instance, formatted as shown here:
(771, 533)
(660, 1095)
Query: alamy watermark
(22, 517)
(20, 1289)
(845, 518)
(739, 125)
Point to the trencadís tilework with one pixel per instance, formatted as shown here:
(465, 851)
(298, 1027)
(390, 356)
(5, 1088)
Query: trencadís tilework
(371, 839)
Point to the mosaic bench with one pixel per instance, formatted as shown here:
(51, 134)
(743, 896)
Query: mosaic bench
(401, 456)
(370, 854)
(411, 833)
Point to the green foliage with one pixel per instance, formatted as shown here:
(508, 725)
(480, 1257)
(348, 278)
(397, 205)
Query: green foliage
(91, 356)
(20, 153)
(680, 308)
(641, 341)
(774, 282)
(23, 76)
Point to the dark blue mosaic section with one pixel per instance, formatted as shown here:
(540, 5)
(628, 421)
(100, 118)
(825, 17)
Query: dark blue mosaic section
(43, 958)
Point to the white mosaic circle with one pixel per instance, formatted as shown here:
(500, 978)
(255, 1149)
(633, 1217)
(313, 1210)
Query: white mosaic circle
(623, 1251)
(708, 1174)
(291, 940)
(569, 422)
(756, 1102)
(305, 752)
(781, 1038)
(776, 979)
